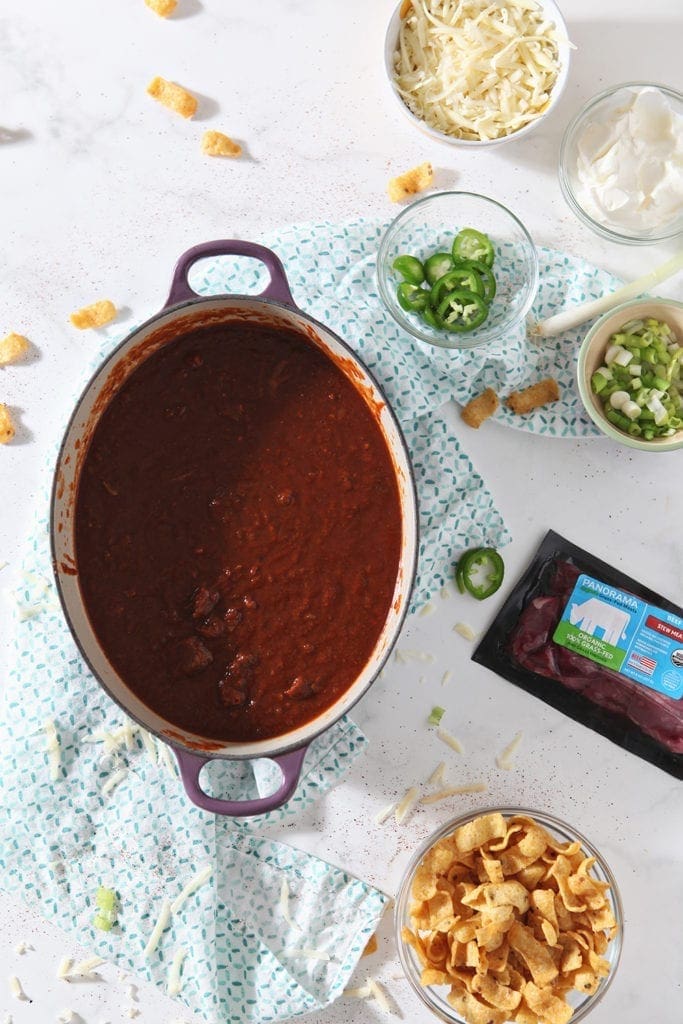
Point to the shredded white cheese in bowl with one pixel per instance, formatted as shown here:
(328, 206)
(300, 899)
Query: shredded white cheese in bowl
(472, 72)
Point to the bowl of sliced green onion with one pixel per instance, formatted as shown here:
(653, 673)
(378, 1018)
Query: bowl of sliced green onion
(457, 270)
(630, 374)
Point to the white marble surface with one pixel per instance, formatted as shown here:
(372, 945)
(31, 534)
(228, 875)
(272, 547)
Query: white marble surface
(101, 190)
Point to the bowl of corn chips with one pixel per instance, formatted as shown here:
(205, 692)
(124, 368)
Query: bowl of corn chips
(509, 915)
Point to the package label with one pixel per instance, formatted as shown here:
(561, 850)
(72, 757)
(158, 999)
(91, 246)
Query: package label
(623, 633)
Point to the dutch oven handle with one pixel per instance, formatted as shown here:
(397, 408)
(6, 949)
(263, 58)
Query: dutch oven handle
(290, 765)
(278, 286)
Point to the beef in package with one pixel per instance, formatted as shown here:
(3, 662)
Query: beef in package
(596, 645)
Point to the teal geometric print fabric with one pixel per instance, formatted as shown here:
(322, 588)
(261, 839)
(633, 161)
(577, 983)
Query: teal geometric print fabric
(61, 839)
(331, 270)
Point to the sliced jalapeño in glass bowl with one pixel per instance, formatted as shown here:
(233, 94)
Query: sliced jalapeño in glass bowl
(450, 291)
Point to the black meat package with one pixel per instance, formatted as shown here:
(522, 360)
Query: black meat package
(596, 645)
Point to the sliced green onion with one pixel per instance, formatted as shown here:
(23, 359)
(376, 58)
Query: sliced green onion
(106, 902)
(436, 715)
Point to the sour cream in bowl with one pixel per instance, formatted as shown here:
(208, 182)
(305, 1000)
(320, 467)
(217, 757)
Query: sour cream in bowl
(621, 163)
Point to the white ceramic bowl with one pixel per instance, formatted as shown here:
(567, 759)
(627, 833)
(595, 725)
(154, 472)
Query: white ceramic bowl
(551, 12)
(592, 355)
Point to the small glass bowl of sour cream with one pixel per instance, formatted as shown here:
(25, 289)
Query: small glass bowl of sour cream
(621, 163)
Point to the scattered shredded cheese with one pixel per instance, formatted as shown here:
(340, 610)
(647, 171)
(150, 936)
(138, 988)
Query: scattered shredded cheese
(64, 967)
(437, 775)
(149, 745)
(22, 947)
(54, 751)
(113, 780)
(164, 757)
(444, 593)
(446, 676)
(426, 610)
(384, 814)
(416, 656)
(16, 990)
(476, 70)
(195, 882)
(380, 995)
(450, 741)
(434, 798)
(406, 804)
(309, 953)
(159, 928)
(85, 968)
(66, 1017)
(465, 631)
(504, 760)
(127, 730)
(174, 979)
(363, 992)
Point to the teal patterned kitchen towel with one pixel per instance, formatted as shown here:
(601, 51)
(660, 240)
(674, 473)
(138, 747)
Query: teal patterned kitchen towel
(112, 811)
(116, 813)
(332, 274)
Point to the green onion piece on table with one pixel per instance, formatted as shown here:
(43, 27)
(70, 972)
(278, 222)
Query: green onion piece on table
(106, 903)
(436, 715)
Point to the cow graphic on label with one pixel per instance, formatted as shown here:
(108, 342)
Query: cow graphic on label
(596, 614)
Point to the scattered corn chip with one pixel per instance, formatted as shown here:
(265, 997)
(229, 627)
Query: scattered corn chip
(522, 402)
(173, 96)
(415, 180)
(7, 430)
(96, 315)
(480, 408)
(12, 348)
(218, 144)
(164, 8)
(371, 946)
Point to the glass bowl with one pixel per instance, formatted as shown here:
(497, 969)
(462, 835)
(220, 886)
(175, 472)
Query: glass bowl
(592, 355)
(434, 996)
(431, 224)
(550, 11)
(575, 194)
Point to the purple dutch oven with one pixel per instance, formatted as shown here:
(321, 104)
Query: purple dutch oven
(185, 311)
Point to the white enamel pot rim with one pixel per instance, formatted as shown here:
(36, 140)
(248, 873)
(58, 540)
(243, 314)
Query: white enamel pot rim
(185, 310)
